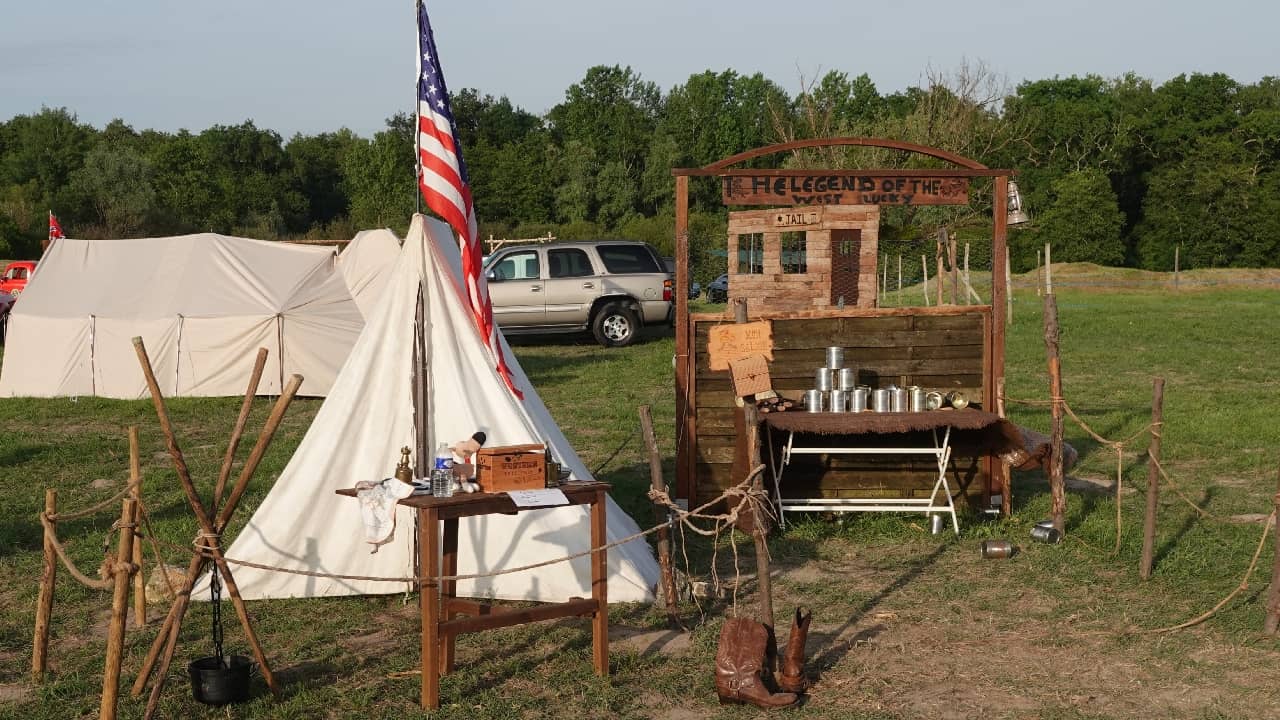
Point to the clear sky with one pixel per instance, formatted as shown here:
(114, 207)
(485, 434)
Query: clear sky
(316, 65)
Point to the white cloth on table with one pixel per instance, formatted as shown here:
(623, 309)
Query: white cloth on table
(378, 508)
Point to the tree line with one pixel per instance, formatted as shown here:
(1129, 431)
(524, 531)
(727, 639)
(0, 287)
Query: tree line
(1117, 171)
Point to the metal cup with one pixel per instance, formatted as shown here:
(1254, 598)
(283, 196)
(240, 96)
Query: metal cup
(822, 379)
(847, 379)
(880, 400)
(835, 358)
(858, 399)
(813, 400)
(838, 401)
(915, 398)
(936, 523)
(897, 399)
(933, 400)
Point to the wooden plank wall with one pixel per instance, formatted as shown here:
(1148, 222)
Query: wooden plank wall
(941, 348)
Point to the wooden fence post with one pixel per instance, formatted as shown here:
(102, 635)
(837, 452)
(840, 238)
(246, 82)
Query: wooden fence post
(122, 574)
(751, 424)
(661, 513)
(1153, 480)
(135, 481)
(1272, 623)
(898, 297)
(1008, 287)
(1056, 485)
(44, 604)
(924, 265)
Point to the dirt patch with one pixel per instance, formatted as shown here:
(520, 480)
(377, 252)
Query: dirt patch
(13, 692)
(648, 642)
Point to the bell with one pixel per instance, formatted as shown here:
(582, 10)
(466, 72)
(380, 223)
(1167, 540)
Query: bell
(1016, 215)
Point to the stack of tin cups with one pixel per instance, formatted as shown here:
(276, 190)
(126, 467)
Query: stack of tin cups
(835, 387)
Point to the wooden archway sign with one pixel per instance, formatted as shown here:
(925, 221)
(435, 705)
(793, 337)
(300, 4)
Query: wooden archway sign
(965, 168)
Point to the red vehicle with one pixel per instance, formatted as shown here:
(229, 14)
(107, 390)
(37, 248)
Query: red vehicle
(16, 275)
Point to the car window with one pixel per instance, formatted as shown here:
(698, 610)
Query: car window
(628, 259)
(569, 263)
(517, 266)
(19, 273)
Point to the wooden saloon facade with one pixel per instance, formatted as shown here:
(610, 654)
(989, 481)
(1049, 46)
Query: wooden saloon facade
(808, 263)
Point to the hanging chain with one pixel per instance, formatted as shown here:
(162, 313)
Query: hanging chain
(215, 598)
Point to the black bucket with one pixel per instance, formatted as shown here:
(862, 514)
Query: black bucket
(220, 680)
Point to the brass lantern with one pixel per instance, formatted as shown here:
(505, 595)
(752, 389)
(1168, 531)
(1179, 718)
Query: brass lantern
(1016, 215)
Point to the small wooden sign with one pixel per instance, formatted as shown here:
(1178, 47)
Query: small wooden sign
(750, 376)
(793, 218)
(729, 342)
(844, 188)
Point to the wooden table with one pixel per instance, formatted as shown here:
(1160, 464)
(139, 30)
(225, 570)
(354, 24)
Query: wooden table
(445, 616)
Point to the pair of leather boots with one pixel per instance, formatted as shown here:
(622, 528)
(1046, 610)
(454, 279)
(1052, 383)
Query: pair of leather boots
(745, 663)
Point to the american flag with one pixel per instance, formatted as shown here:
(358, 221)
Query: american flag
(55, 230)
(442, 177)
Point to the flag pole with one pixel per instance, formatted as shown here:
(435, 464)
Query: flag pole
(420, 402)
(413, 114)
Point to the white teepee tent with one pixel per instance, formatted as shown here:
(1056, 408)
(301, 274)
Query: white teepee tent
(368, 416)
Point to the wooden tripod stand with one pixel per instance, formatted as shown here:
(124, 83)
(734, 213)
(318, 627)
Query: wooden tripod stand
(209, 539)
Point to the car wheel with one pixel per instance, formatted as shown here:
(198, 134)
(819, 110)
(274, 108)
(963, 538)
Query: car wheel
(615, 325)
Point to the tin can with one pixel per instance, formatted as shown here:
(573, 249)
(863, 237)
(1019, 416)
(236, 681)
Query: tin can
(915, 398)
(822, 379)
(957, 400)
(897, 399)
(813, 400)
(880, 400)
(996, 549)
(932, 400)
(838, 401)
(1050, 534)
(936, 523)
(858, 398)
(847, 379)
(835, 358)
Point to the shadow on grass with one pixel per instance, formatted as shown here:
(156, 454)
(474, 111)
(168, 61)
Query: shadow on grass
(833, 653)
(1188, 522)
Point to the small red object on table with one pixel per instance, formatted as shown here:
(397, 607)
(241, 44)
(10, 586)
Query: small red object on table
(441, 608)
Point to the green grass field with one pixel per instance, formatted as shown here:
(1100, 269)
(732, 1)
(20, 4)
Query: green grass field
(906, 624)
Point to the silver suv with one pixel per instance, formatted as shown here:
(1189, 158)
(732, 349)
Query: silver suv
(610, 287)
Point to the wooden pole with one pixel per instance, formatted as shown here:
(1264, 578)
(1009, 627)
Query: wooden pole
(937, 256)
(1048, 270)
(1177, 249)
(751, 422)
(684, 408)
(119, 611)
(661, 514)
(955, 270)
(898, 295)
(224, 474)
(1056, 484)
(44, 603)
(1002, 467)
(1153, 480)
(924, 265)
(1272, 622)
(135, 481)
(1008, 288)
(1039, 277)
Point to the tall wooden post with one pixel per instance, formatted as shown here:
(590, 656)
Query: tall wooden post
(999, 471)
(661, 514)
(1153, 480)
(751, 424)
(924, 265)
(1177, 250)
(1056, 484)
(135, 481)
(44, 603)
(1272, 623)
(119, 612)
(684, 424)
(898, 297)
(937, 257)
(1008, 288)
(952, 256)
(1039, 280)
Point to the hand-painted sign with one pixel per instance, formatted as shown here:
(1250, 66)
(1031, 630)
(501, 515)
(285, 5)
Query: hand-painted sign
(844, 188)
(734, 341)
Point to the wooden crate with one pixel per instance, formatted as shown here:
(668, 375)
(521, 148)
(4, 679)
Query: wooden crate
(511, 467)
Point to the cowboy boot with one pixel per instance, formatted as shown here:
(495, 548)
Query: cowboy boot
(740, 660)
(792, 678)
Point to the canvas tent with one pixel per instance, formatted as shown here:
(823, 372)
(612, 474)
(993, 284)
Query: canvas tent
(366, 265)
(368, 417)
(203, 303)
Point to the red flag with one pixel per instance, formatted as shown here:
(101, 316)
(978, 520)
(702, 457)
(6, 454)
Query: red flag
(442, 178)
(55, 230)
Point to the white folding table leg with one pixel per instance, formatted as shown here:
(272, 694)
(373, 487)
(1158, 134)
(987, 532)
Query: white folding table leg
(776, 470)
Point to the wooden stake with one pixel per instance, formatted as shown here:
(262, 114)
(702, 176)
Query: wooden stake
(898, 296)
(246, 405)
(884, 283)
(1039, 277)
(135, 481)
(661, 514)
(751, 422)
(1177, 249)
(44, 603)
(1008, 287)
(1272, 622)
(1002, 467)
(924, 265)
(1048, 271)
(955, 270)
(1153, 480)
(119, 611)
(1056, 484)
(937, 256)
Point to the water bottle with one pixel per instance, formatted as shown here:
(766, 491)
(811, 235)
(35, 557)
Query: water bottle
(442, 472)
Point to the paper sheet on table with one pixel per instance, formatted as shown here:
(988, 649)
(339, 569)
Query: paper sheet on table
(538, 498)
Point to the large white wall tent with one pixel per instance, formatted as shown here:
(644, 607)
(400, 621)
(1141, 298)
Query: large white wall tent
(203, 303)
(368, 416)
